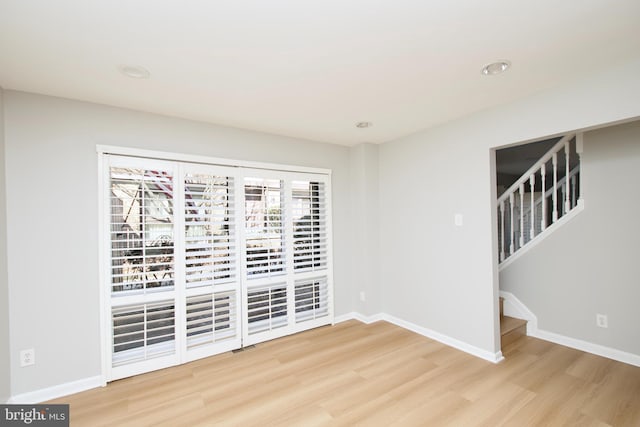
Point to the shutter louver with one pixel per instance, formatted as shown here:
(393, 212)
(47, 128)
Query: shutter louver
(267, 308)
(309, 226)
(264, 228)
(209, 230)
(142, 248)
(211, 319)
(311, 299)
(142, 332)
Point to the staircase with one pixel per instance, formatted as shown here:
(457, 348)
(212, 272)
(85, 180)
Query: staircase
(511, 329)
(528, 210)
(544, 194)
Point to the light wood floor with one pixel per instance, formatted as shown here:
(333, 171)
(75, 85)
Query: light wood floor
(375, 375)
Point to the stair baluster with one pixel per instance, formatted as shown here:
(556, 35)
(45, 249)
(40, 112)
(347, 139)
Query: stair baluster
(567, 202)
(511, 233)
(532, 183)
(543, 172)
(522, 215)
(502, 230)
(554, 216)
(536, 216)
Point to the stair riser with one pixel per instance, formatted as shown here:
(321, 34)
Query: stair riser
(513, 335)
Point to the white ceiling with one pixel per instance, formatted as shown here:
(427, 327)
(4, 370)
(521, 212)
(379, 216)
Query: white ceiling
(310, 69)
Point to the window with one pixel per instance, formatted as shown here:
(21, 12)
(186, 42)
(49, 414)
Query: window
(264, 227)
(204, 259)
(141, 229)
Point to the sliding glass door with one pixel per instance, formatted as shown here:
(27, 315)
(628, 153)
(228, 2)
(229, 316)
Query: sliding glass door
(286, 255)
(203, 259)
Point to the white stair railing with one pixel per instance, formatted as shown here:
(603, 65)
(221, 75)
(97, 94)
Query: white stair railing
(539, 198)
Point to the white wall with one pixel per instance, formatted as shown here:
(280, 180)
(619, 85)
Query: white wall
(442, 277)
(590, 265)
(5, 390)
(52, 182)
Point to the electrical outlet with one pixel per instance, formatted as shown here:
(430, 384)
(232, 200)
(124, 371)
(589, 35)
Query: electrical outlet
(363, 297)
(602, 321)
(27, 357)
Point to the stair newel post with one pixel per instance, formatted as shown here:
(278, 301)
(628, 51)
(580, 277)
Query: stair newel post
(567, 200)
(522, 215)
(532, 183)
(554, 160)
(543, 220)
(511, 232)
(502, 240)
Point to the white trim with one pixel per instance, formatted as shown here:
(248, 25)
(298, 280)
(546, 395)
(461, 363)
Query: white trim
(588, 347)
(445, 339)
(543, 235)
(191, 158)
(104, 269)
(425, 332)
(346, 317)
(354, 315)
(57, 391)
(513, 307)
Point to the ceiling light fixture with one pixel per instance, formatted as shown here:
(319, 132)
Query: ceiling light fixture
(134, 71)
(364, 125)
(495, 68)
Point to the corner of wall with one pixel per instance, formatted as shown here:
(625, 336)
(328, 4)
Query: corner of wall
(5, 368)
(364, 177)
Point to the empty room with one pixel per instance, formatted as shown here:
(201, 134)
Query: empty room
(298, 213)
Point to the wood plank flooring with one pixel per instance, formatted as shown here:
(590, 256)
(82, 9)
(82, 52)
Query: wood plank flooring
(372, 375)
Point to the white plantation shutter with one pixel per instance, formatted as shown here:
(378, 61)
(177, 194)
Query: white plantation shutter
(267, 308)
(210, 245)
(286, 254)
(311, 299)
(142, 266)
(309, 225)
(200, 259)
(310, 251)
(212, 281)
(142, 250)
(143, 331)
(264, 228)
(211, 319)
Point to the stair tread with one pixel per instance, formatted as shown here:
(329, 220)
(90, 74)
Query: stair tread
(508, 324)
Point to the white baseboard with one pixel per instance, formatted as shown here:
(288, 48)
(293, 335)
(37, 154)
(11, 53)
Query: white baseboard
(436, 336)
(445, 339)
(359, 317)
(57, 391)
(515, 308)
(588, 347)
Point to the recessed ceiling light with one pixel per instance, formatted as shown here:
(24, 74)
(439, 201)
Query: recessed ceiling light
(497, 67)
(363, 125)
(134, 71)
